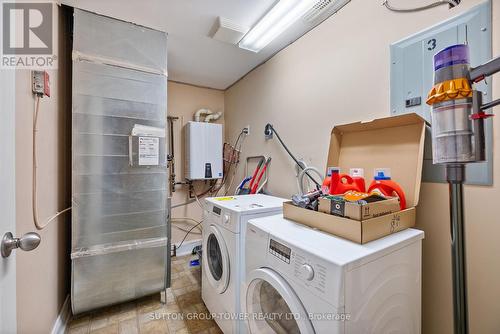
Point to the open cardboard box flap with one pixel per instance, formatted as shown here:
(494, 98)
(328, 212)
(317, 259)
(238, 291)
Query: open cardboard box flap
(394, 142)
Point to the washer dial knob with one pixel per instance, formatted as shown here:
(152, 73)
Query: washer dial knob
(308, 271)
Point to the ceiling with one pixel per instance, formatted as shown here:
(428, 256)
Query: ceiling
(194, 57)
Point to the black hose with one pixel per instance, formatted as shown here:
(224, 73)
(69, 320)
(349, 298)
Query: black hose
(188, 232)
(318, 186)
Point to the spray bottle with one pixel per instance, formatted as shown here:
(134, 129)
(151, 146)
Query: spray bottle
(383, 184)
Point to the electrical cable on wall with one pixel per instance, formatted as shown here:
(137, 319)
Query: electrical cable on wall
(271, 130)
(186, 220)
(39, 225)
(190, 230)
(418, 9)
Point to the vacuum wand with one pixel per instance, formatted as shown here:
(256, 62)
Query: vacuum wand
(455, 175)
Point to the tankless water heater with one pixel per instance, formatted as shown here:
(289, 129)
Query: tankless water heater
(203, 151)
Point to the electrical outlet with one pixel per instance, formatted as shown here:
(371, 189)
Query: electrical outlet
(246, 130)
(38, 82)
(41, 83)
(268, 131)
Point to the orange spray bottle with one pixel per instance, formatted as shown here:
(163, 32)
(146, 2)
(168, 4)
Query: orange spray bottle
(383, 184)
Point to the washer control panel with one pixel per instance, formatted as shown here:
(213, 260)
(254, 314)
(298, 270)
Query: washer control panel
(310, 271)
(216, 210)
(279, 250)
(216, 215)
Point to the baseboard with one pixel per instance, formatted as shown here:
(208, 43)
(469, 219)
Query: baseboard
(62, 321)
(187, 247)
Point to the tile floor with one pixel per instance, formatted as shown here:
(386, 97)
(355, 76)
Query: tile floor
(148, 315)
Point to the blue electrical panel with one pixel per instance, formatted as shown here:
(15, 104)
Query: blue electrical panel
(412, 78)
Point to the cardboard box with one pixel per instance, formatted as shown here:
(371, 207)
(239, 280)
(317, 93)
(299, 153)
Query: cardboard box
(359, 211)
(393, 142)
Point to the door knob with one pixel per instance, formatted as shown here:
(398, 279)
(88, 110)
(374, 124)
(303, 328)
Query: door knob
(27, 242)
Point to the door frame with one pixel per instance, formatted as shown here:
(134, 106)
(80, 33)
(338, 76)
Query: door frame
(8, 304)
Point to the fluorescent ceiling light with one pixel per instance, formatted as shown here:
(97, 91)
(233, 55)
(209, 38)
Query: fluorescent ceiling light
(276, 21)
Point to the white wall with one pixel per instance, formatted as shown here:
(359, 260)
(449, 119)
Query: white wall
(339, 73)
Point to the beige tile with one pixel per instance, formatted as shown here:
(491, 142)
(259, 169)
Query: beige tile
(215, 330)
(178, 292)
(175, 324)
(154, 327)
(172, 312)
(149, 306)
(157, 314)
(127, 311)
(98, 323)
(127, 315)
(188, 298)
(205, 331)
(79, 330)
(148, 315)
(80, 321)
(112, 329)
(128, 326)
(181, 331)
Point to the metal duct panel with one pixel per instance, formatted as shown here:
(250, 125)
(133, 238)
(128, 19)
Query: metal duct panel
(120, 236)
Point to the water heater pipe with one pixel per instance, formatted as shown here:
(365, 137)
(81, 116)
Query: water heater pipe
(213, 116)
(200, 112)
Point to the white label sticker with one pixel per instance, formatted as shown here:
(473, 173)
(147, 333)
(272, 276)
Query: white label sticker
(149, 151)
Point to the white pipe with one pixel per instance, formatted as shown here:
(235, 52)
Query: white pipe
(203, 111)
(213, 117)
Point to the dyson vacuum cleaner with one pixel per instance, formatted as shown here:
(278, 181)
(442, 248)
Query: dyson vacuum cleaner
(458, 117)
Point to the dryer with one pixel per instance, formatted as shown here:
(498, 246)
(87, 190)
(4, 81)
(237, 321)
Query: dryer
(300, 280)
(223, 259)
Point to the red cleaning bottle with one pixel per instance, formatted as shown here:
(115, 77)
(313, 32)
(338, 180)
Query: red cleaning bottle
(383, 184)
(341, 183)
(357, 175)
(325, 187)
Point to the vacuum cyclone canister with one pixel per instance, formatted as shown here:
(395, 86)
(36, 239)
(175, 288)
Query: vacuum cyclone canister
(453, 126)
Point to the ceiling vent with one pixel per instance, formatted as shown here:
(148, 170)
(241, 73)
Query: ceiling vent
(322, 9)
(227, 31)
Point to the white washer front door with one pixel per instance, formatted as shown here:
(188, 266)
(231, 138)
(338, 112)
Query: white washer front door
(216, 259)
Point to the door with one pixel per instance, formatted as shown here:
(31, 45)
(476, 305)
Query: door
(216, 259)
(7, 199)
(272, 306)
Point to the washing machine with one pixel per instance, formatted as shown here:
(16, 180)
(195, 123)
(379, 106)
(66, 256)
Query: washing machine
(300, 280)
(223, 259)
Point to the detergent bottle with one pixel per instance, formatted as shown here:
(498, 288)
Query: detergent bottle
(383, 184)
(325, 187)
(357, 175)
(341, 183)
